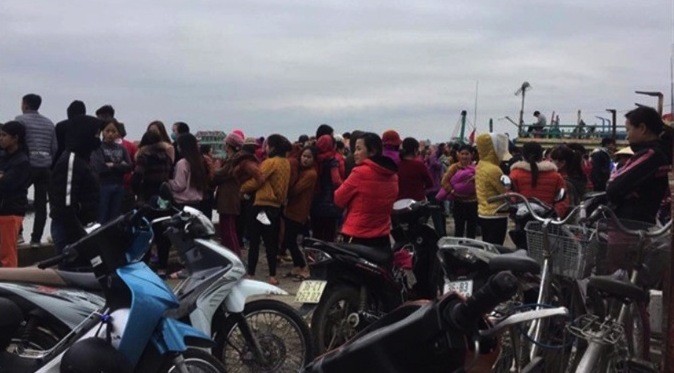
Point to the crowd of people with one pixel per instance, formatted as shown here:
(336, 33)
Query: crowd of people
(330, 186)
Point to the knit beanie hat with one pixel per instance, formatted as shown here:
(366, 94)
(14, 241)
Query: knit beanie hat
(239, 132)
(391, 138)
(250, 141)
(234, 140)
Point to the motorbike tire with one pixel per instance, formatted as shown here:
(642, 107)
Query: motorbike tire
(329, 325)
(282, 333)
(40, 339)
(196, 360)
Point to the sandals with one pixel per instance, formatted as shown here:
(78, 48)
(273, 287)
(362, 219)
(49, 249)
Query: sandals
(297, 277)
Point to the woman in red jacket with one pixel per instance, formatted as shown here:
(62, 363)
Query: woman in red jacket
(534, 177)
(368, 194)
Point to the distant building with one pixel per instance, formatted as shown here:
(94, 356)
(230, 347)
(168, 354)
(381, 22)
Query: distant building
(216, 139)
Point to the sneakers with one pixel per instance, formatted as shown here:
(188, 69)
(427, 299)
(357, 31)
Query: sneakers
(35, 245)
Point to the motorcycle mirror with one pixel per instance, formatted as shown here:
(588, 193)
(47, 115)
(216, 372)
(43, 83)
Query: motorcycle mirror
(561, 194)
(403, 204)
(505, 180)
(165, 192)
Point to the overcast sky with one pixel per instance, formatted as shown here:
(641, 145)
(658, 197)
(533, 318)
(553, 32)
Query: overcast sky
(286, 66)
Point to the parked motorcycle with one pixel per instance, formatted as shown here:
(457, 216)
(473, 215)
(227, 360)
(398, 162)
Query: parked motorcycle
(129, 333)
(261, 335)
(421, 336)
(355, 285)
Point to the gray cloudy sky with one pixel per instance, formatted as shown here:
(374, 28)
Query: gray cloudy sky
(286, 66)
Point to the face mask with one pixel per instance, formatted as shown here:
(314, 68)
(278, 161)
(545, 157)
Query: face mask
(174, 136)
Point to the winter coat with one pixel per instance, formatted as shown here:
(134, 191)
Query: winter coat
(228, 179)
(547, 187)
(14, 183)
(180, 185)
(368, 195)
(300, 196)
(413, 179)
(111, 153)
(323, 203)
(272, 188)
(74, 187)
(488, 174)
(637, 189)
(153, 167)
(459, 181)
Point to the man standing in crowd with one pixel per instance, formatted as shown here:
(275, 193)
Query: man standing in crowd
(42, 146)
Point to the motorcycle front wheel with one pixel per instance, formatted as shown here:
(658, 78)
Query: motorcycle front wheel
(283, 336)
(195, 361)
(329, 324)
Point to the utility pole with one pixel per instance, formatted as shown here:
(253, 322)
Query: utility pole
(613, 113)
(463, 126)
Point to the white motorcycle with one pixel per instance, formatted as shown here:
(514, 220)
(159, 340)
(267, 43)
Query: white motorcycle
(262, 335)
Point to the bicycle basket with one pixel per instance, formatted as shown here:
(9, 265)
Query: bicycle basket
(572, 253)
(619, 250)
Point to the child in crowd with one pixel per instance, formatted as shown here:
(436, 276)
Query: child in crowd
(111, 161)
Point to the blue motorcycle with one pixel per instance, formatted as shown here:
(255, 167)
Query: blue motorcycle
(130, 333)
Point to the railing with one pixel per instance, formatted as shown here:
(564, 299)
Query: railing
(570, 131)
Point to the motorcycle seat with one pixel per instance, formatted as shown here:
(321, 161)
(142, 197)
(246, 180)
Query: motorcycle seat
(80, 280)
(505, 249)
(32, 275)
(516, 262)
(617, 288)
(376, 255)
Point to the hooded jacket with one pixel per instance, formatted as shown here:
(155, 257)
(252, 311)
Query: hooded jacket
(637, 189)
(74, 188)
(234, 172)
(547, 186)
(368, 195)
(153, 167)
(488, 172)
(14, 183)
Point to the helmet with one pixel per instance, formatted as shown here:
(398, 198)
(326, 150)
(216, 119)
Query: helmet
(94, 355)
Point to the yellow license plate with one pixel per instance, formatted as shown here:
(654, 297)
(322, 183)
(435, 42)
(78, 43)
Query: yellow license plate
(310, 291)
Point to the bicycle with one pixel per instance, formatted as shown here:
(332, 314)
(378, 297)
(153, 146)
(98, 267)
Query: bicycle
(616, 335)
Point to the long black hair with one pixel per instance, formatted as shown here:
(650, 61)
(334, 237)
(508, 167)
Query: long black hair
(573, 161)
(532, 152)
(373, 143)
(651, 119)
(279, 145)
(190, 151)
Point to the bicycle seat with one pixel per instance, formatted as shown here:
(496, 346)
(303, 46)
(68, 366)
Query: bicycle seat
(617, 288)
(80, 280)
(378, 255)
(516, 262)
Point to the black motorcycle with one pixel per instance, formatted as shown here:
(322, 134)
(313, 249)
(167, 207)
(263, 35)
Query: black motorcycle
(421, 336)
(353, 285)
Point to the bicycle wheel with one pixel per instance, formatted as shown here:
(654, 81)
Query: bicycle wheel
(283, 336)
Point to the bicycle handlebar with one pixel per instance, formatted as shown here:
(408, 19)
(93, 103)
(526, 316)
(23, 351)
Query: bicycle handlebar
(634, 232)
(533, 213)
(524, 317)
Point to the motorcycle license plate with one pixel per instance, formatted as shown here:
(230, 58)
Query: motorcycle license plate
(464, 288)
(310, 291)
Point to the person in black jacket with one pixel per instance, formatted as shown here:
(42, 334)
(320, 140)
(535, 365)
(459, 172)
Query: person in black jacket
(637, 189)
(601, 164)
(74, 191)
(14, 182)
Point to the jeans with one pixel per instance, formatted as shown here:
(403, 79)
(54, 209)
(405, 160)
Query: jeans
(40, 177)
(110, 203)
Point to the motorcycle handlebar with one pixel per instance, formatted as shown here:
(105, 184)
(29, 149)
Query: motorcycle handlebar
(499, 288)
(533, 213)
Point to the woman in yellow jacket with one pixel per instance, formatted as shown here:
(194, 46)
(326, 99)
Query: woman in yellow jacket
(493, 149)
(270, 195)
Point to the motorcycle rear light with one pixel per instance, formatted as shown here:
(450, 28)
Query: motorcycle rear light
(316, 256)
